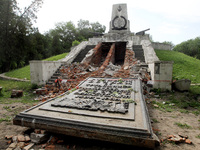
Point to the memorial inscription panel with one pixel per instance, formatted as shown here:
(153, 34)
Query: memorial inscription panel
(99, 97)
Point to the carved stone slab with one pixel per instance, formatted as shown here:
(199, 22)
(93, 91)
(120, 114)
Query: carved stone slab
(99, 97)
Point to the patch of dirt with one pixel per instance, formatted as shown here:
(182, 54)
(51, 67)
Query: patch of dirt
(8, 112)
(164, 124)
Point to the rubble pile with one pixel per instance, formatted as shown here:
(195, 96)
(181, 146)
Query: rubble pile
(92, 66)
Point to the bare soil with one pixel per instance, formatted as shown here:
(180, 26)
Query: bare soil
(163, 124)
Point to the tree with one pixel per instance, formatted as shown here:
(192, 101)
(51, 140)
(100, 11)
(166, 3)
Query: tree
(63, 35)
(190, 47)
(15, 27)
(170, 43)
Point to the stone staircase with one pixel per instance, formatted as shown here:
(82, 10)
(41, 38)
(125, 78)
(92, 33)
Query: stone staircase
(83, 52)
(54, 76)
(139, 52)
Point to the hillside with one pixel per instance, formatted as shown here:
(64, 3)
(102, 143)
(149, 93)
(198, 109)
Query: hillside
(184, 67)
(24, 72)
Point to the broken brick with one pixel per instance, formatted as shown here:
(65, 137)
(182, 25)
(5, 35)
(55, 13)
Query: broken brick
(28, 146)
(188, 141)
(8, 137)
(38, 131)
(50, 147)
(16, 93)
(20, 138)
(8, 142)
(21, 144)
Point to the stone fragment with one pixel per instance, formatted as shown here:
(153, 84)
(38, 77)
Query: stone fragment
(43, 131)
(16, 93)
(21, 138)
(9, 142)
(13, 145)
(38, 131)
(27, 138)
(41, 91)
(14, 139)
(183, 136)
(28, 146)
(38, 138)
(8, 137)
(20, 144)
(17, 148)
(126, 67)
(182, 85)
(155, 105)
(50, 147)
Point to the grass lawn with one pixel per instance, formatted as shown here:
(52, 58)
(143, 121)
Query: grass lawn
(184, 67)
(24, 72)
(9, 85)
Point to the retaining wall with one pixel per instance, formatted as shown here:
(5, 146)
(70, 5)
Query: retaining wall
(161, 46)
(41, 71)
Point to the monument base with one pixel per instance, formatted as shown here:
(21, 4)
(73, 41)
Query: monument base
(111, 120)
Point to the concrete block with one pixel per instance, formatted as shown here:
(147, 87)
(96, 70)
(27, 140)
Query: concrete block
(38, 138)
(182, 85)
(16, 93)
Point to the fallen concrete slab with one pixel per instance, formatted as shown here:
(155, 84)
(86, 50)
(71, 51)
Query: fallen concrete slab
(118, 113)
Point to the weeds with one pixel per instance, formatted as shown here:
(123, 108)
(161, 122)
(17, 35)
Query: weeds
(9, 85)
(7, 108)
(198, 136)
(196, 112)
(7, 119)
(183, 126)
(155, 120)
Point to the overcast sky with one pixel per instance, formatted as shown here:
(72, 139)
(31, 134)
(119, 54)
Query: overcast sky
(168, 20)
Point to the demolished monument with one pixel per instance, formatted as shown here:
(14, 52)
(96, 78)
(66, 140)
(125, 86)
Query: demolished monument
(107, 77)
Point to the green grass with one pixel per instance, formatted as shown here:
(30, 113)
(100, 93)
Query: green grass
(57, 57)
(184, 67)
(183, 126)
(7, 119)
(24, 72)
(9, 85)
(20, 73)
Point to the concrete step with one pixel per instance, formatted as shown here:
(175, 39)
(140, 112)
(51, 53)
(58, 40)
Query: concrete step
(138, 49)
(52, 80)
(137, 46)
(83, 52)
(56, 74)
(54, 77)
(49, 83)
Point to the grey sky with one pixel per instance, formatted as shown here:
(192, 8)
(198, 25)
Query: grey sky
(171, 20)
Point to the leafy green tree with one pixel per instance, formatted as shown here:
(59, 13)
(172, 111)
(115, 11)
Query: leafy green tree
(15, 26)
(190, 47)
(75, 43)
(63, 35)
(170, 43)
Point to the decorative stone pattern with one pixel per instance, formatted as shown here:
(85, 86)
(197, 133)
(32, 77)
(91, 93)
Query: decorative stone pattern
(111, 95)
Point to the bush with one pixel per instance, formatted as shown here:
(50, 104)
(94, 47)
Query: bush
(75, 43)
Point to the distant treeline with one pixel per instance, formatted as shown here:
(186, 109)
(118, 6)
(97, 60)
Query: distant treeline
(190, 47)
(20, 42)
